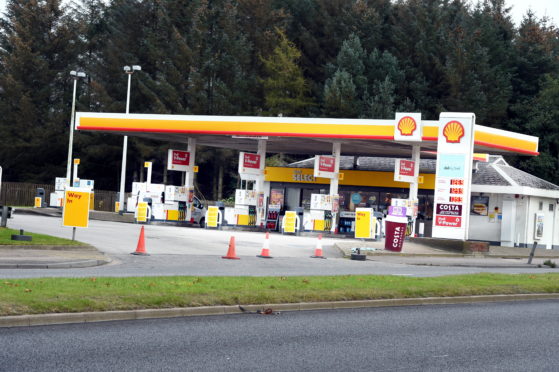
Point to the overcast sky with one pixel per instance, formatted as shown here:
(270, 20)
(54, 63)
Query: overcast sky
(541, 8)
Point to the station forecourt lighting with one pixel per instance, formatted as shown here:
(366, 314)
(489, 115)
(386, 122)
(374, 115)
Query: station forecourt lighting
(75, 75)
(128, 70)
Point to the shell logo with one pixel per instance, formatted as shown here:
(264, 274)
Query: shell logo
(453, 132)
(407, 126)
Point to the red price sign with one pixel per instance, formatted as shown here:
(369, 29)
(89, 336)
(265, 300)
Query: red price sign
(457, 182)
(456, 190)
(455, 199)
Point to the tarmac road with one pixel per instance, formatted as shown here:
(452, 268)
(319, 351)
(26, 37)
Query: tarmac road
(194, 251)
(514, 336)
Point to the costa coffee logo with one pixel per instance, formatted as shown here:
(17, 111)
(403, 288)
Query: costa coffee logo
(453, 131)
(407, 126)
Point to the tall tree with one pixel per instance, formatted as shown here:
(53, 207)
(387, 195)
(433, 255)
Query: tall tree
(285, 88)
(37, 52)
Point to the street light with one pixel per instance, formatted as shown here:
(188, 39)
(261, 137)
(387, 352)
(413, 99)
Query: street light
(128, 70)
(75, 75)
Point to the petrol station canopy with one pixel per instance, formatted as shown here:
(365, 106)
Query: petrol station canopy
(312, 136)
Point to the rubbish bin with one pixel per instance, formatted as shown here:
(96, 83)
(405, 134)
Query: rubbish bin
(41, 194)
(395, 233)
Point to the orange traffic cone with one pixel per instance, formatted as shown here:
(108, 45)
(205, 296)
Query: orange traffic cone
(141, 248)
(231, 255)
(318, 249)
(265, 248)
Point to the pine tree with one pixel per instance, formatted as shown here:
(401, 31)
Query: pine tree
(37, 46)
(285, 88)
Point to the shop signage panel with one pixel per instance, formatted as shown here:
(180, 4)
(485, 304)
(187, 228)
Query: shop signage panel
(453, 177)
(76, 208)
(178, 160)
(325, 166)
(142, 212)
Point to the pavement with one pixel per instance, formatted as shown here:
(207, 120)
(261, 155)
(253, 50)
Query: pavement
(413, 253)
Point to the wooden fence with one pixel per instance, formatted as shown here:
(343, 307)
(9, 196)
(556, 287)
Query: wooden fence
(19, 194)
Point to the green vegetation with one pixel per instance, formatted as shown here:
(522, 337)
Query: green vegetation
(309, 58)
(53, 295)
(38, 239)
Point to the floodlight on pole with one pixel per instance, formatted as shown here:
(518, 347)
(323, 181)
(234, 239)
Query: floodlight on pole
(129, 70)
(75, 75)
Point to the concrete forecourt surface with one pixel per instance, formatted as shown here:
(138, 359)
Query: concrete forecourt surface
(174, 242)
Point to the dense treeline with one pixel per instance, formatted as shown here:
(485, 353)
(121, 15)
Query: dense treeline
(326, 58)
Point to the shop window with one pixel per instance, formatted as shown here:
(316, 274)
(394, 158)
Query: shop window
(541, 206)
(551, 207)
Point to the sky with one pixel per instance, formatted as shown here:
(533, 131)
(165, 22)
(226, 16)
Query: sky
(541, 8)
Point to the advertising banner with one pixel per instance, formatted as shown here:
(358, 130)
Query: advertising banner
(325, 166)
(142, 212)
(178, 160)
(212, 216)
(395, 233)
(453, 176)
(290, 222)
(404, 171)
(76, 208)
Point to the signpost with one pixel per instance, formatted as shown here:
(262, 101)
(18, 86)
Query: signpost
(290, 222)
(76, 208)
(142, 212)
(212, 217)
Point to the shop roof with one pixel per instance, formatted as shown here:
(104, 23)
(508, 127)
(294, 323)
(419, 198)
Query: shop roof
(496, 173)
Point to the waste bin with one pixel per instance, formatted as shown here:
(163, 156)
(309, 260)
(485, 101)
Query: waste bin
(395, 233)
(41, 194)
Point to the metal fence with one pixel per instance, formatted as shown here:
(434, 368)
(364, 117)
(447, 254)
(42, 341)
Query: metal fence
(19, 194)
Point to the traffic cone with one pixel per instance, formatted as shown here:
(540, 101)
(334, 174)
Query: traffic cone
(265, 248)
(231, 252)
(141, 248)
(318, 249)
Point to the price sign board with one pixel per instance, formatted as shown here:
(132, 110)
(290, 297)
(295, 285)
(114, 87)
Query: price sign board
(454, 174)
(76, 207)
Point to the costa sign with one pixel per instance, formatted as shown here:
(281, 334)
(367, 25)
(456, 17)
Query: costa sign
(449, 209)
(178, 160)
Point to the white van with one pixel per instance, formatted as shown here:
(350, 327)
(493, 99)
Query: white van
(199, 212)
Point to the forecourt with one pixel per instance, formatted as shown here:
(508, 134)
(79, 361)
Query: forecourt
(452, 139)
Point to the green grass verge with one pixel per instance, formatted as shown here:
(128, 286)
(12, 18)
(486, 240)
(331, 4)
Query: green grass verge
(54, 295)
(38, 239)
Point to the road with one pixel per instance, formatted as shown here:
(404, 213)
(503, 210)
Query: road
(193, 251)
(518, 336)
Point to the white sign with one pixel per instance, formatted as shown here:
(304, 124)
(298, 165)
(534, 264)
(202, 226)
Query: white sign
(321, 202)
(408, 127)
(250, 165)
(453, 175)
(325, 166)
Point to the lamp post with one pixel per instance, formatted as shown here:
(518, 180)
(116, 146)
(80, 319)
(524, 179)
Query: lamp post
(129, 70)
(75, 75)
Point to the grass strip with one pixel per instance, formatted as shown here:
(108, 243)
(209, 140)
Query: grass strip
(55, 295)
(38, 239)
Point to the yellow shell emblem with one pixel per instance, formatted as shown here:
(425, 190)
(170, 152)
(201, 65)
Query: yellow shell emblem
(407, 126)
(453, 132)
